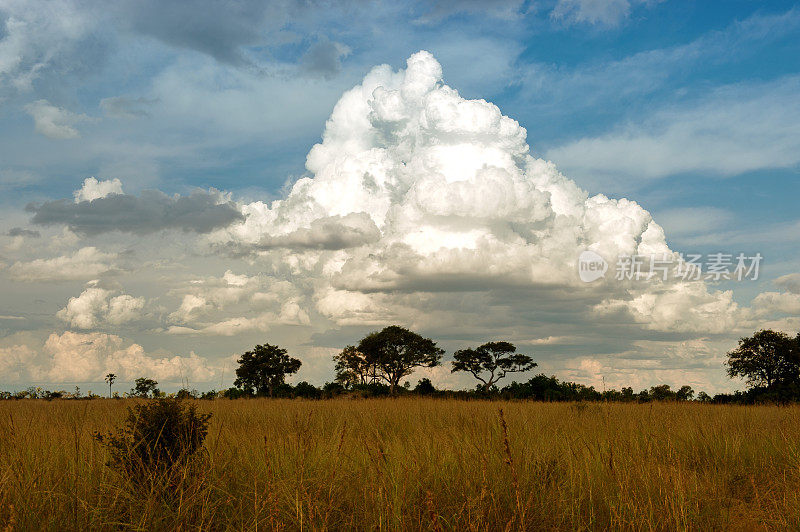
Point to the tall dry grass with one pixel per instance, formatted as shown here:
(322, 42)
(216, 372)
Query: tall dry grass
(412, 464)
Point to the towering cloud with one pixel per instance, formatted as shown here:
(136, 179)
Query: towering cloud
(416, 189)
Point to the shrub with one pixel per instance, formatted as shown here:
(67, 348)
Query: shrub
(185, 393)
(332, 389)
(209, 395)
(307, 391)
(371, 390)
(424, 387)
(157, 437)
(48, 395)
(234, 393)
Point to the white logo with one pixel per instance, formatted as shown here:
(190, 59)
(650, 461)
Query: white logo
(591, 266)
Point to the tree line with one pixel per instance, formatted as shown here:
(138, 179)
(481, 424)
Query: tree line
(383, 358)
(768, 361)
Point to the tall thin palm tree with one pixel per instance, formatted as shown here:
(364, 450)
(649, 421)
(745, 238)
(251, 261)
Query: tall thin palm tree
(110, 378)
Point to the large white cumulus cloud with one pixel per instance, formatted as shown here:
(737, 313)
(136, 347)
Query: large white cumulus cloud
(454, 193)
(97, 306)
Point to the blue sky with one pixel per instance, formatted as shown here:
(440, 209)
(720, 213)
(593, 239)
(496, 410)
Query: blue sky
(690, 109)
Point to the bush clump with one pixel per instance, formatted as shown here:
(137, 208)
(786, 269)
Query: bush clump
(157, 438)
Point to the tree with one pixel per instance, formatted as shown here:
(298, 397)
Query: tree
(264, 368)
(307, 390)
(627, 393)
(662, 392)
(144, 387)
(396, 351)
(110, 378)
(766, 359)
(353, 368)
(685, 393)
(424, 387)
(496, 359)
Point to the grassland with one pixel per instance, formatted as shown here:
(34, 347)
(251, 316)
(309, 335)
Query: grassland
(412, 464)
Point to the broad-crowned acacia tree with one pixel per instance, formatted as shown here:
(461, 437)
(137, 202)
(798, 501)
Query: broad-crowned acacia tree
(491, 362)
(396, 351)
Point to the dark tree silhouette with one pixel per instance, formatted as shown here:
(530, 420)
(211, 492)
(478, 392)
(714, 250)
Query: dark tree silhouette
(491, 362)
(424, 387)
(703, 397)
(766, 359)
(264, 368)
(396, 351)
(662, 392)
(110, 378)
(685, 393)
(144, 387)
(353, 368)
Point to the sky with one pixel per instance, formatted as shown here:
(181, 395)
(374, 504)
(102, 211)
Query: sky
(182, 181)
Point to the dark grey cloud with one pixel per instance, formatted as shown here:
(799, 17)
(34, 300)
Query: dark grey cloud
(790, 282)
(153, 211)
(19, 231)
(324, 58)
(331, 233)
(215, 28)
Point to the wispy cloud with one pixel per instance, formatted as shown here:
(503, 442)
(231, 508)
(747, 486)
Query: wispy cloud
(55, 122)
(86, 263)
(618, 81)
(729, 131)
(597, 12)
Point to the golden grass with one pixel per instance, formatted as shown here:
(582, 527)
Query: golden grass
(411, 464)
